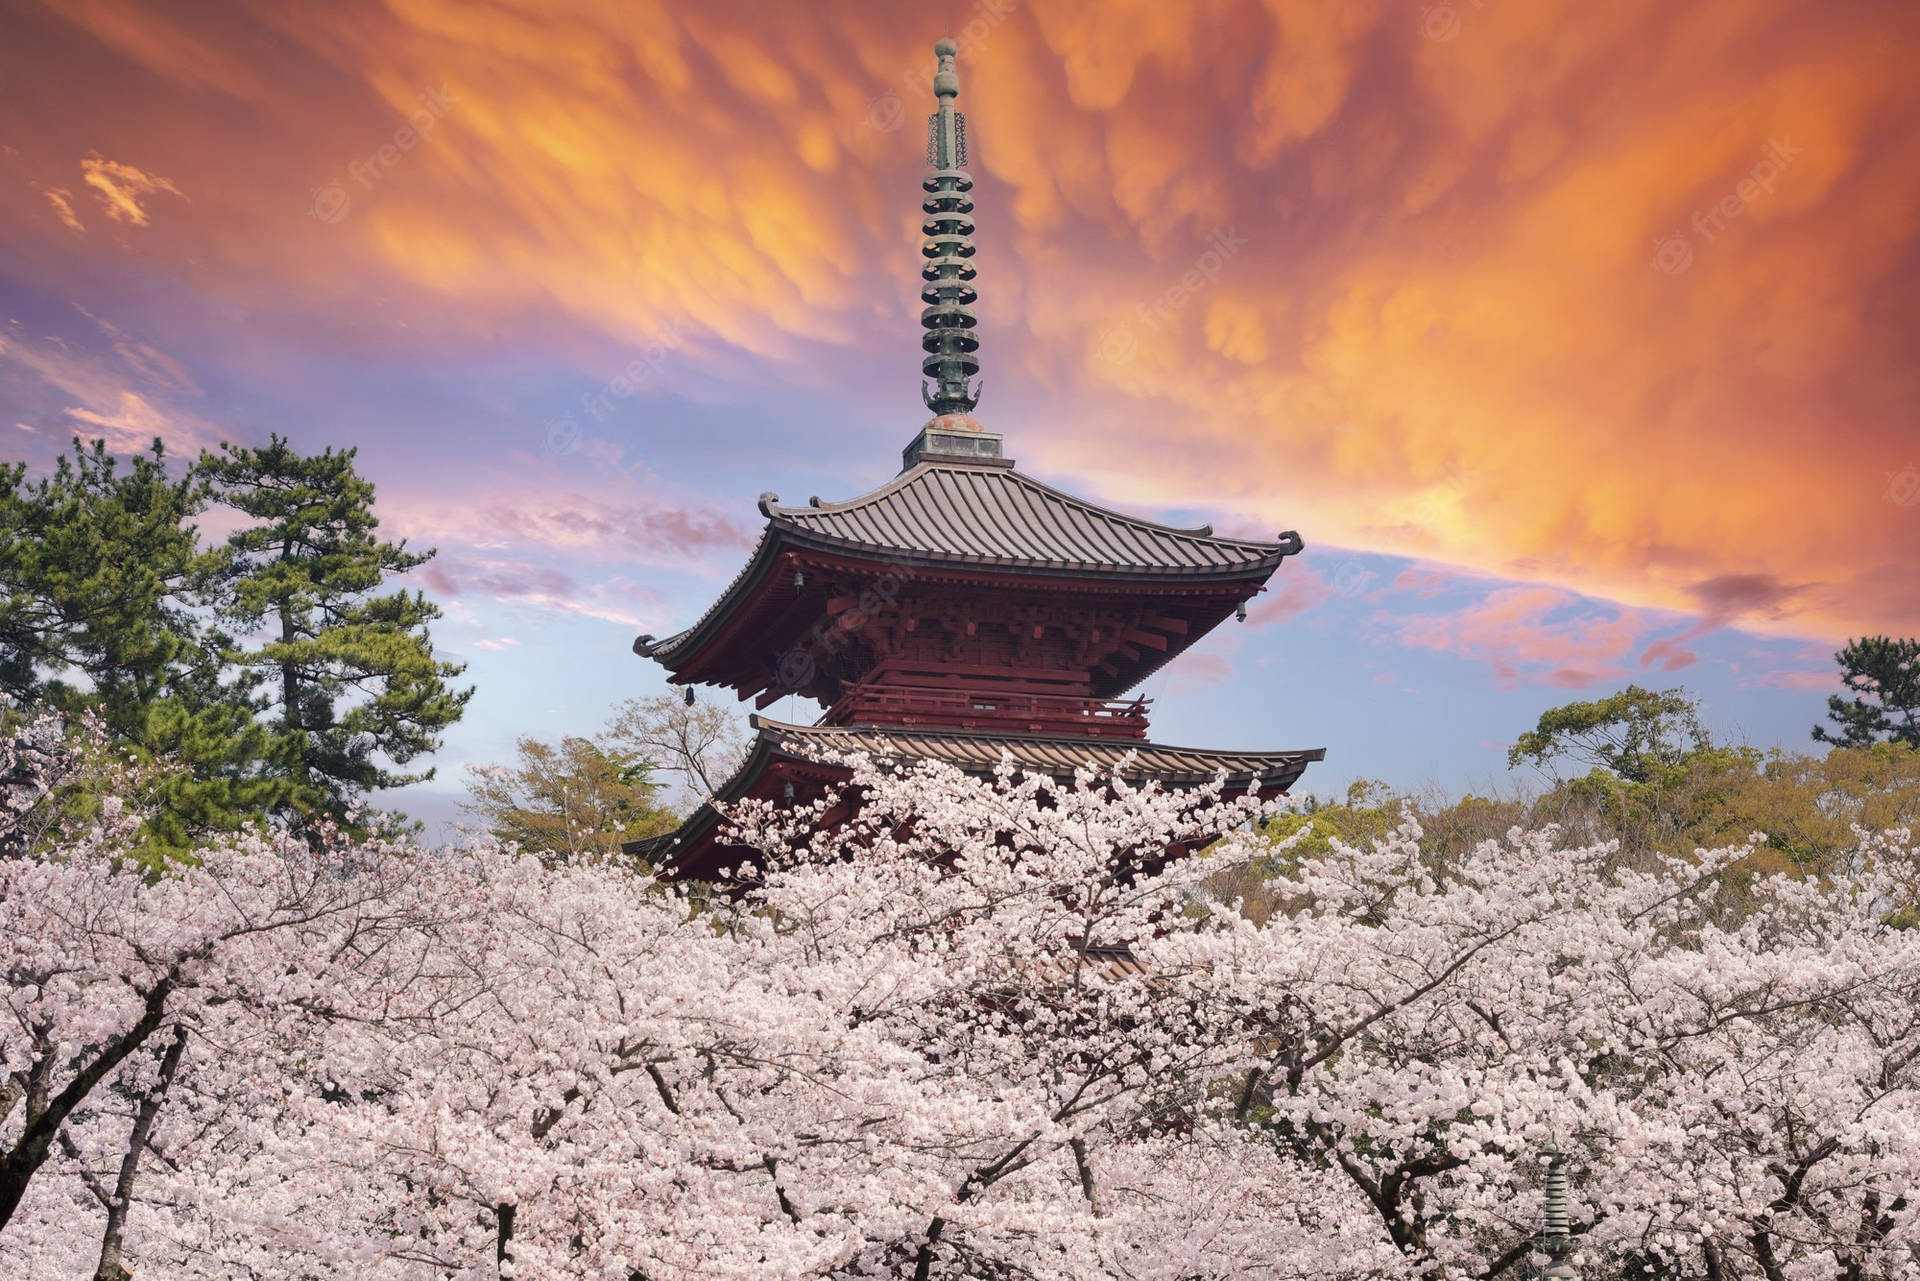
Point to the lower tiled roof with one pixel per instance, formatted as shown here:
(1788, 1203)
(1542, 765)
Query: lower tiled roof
(982, 752)
(978, 753)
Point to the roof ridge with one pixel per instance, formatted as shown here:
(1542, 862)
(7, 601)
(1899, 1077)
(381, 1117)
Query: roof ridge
(1088, 504)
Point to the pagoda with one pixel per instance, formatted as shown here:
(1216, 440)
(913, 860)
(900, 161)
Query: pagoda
(962, 612)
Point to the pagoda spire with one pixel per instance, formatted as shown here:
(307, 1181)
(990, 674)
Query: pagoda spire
(949, 341)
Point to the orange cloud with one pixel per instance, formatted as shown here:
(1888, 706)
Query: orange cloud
(121, 187)
(62, 201)
(1615, 298)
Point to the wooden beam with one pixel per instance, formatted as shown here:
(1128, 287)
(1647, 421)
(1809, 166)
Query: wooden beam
(1152, 640)
(1178, 626)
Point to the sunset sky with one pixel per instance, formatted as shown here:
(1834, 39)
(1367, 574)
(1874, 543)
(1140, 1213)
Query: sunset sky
(1578, 341)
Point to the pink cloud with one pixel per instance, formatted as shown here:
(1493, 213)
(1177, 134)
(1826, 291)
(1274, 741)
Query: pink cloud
(1198, 671)
(1425, 582)
(496, 578)
(1525, 634)
(1669, 653)
(520, 583)
(1300, 592)
(126, 404)
(576, 523)
(1790, 679)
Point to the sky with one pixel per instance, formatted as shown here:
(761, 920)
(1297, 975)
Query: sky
(1578, 341)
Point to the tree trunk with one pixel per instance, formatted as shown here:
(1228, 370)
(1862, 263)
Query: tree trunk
(1085, 1167)
(289, 682)
(503, 1215)
(29, 1151)
(923, 1261)
(112, 1241)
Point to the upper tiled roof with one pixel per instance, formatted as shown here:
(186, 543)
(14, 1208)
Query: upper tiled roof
(983, 513)
(987, 513)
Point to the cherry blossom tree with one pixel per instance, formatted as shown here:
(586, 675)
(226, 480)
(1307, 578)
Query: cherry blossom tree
(114, 969)
(979, 1028)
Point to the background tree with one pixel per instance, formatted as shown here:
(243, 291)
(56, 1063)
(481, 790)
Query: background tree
(346, 671)
(1884, 675)
(1634, 734)
(574, 800)
(701, 742)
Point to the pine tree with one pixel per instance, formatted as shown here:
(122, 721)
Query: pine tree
(1884, 675)
(92, 561)
(344, 671)
(99, 567)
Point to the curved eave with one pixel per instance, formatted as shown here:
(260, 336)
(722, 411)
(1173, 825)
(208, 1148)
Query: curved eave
(676, 651)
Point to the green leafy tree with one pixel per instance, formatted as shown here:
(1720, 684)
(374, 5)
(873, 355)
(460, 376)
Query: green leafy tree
(1884, 675)
(1367, 813)
(343, 670)
(1636, 734)
(579, 798)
